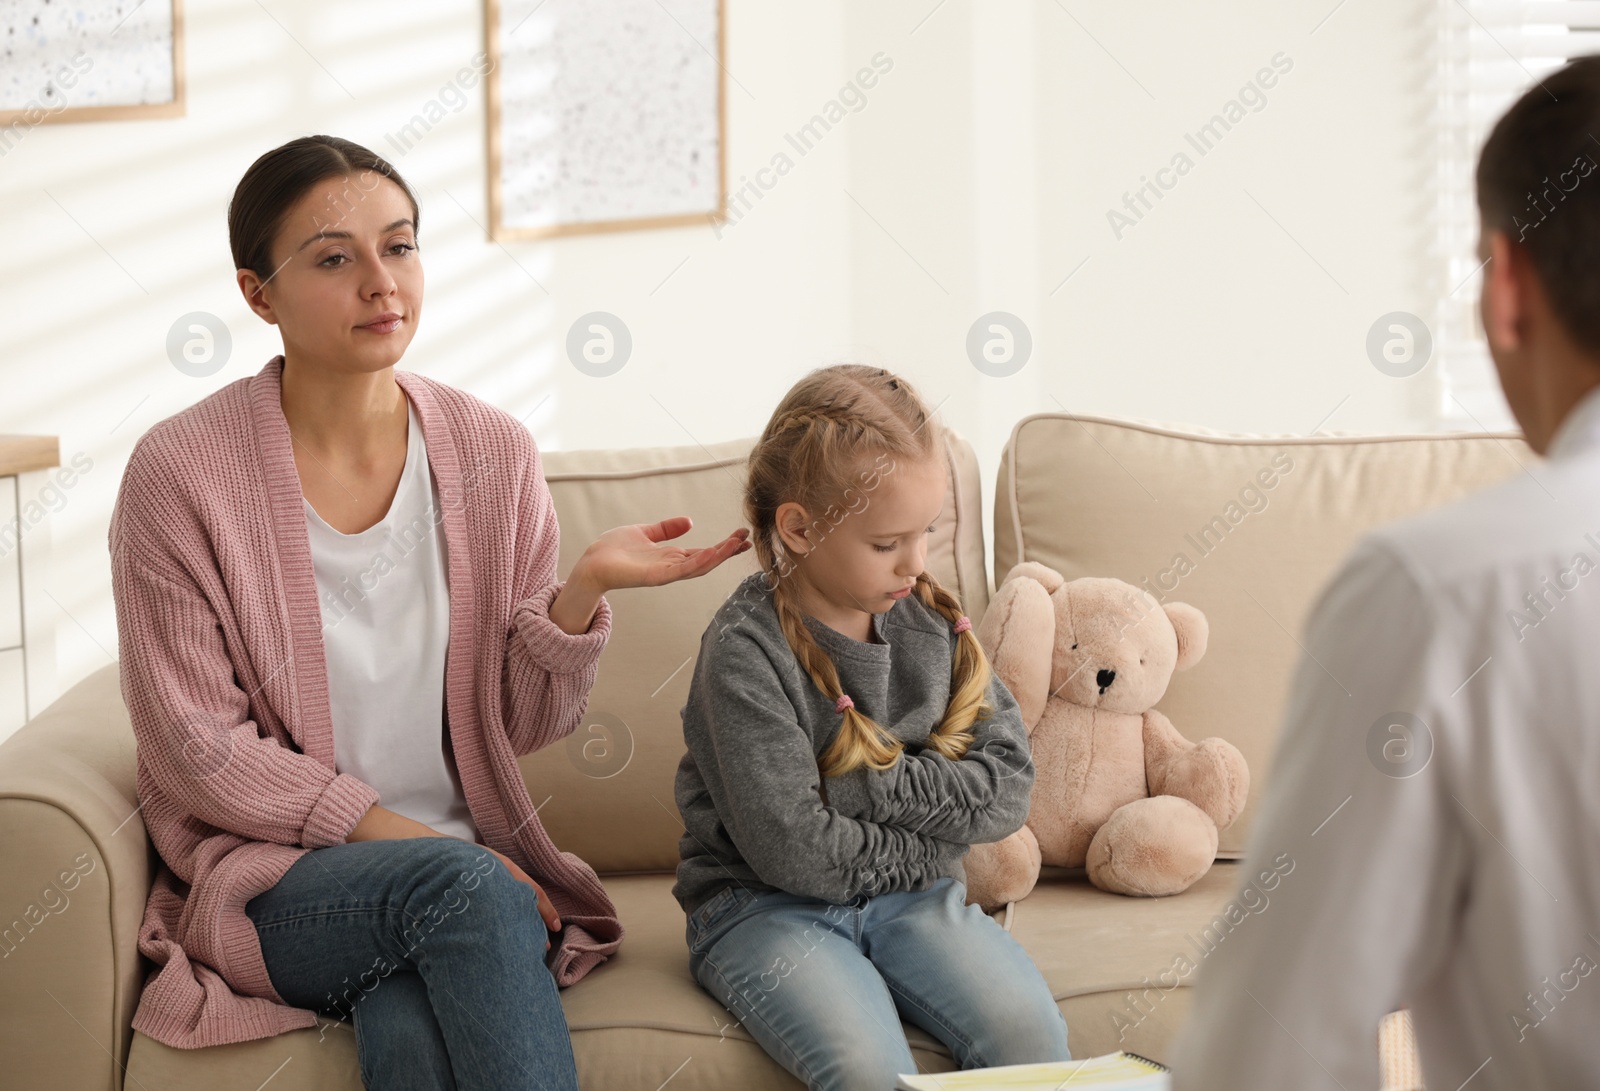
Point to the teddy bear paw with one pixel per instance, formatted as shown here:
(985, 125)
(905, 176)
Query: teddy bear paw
(1003, 871)
(1152, 848)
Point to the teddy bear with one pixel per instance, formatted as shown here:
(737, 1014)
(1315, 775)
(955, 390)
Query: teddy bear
(1117, 790)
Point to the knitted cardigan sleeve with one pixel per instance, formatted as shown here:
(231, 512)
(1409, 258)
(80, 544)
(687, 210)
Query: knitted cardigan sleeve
(548, 671)
(193, 732)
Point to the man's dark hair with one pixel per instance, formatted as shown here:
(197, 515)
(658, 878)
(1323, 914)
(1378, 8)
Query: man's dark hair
(1539, 181)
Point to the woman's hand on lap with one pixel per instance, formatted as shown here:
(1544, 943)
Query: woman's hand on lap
(380, 824)
(546, 909)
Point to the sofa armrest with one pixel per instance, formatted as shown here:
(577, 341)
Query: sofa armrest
(72, 896)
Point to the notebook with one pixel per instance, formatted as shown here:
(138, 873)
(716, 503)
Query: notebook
(1122, 1071)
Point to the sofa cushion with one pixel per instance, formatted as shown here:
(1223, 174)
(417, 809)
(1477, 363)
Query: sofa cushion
(1122, 969)
(1246, 527)
(324, 1058)
(637, 1020)
(639, 1016)
(606, 792)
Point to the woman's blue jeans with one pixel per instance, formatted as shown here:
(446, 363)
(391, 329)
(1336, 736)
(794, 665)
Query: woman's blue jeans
(823, 987)
(436, 951)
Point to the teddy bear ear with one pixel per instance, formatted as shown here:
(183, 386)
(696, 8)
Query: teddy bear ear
(1192, 629)
(1033, 570)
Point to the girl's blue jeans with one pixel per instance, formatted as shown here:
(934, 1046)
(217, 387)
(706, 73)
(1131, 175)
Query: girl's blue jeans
(435, 950)
(823, 987)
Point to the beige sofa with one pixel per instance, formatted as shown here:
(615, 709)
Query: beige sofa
(1084, 495)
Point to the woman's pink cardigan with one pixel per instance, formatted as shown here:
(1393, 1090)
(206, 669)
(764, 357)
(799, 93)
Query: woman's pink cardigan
(224, 675)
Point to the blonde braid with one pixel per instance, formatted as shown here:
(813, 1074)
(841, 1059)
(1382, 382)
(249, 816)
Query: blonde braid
(969, 676)
(830, 417)
(860, 740)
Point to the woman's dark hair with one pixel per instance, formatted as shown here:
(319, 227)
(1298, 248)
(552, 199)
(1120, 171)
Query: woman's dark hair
(281, 177)
(1540, 163)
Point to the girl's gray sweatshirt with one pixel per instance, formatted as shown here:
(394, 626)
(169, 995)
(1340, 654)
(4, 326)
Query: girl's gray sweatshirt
(748, 787)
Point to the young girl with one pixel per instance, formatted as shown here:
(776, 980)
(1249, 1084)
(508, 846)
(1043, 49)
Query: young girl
(847, 744)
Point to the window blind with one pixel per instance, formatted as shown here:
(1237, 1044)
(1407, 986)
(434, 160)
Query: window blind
(1490, 52)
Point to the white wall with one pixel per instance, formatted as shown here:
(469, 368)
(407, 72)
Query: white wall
(975, 178)
(1240, 301)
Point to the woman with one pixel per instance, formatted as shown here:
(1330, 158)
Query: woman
(340, 625)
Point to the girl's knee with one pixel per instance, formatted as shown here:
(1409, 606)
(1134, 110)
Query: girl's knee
(1019, 1037)
(861, 1062)
(864, 1073)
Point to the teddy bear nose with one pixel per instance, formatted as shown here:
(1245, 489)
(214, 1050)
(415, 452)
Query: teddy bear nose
(1104, 679)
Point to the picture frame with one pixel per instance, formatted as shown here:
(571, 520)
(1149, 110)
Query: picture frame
(554, 167)
(83, 62)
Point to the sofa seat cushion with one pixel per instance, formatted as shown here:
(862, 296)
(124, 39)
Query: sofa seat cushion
(639, 1017)
(1112, 963)
(324, 1058)
(1122, 969)
(636, 1020)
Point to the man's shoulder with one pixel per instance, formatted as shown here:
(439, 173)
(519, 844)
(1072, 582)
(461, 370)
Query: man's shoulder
(1541, 510)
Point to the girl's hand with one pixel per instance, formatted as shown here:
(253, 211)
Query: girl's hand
(546, 909)
(637, 556)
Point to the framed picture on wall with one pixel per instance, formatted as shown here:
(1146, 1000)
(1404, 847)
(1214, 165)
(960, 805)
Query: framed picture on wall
(605, 115)
(88, 60)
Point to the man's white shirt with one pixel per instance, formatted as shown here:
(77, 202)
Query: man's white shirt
(1433, 808)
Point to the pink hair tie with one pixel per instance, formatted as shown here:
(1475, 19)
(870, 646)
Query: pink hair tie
(963, 623)
(843, 703)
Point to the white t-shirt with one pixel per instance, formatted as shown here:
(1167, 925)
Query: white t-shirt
(385, 627)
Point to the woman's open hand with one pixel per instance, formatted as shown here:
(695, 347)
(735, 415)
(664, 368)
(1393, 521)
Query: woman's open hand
(640, 556)
(635, 556)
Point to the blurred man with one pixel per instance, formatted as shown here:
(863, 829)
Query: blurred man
(1437, 782)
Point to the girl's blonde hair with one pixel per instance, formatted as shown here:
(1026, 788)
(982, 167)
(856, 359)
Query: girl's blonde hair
(815, 451)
